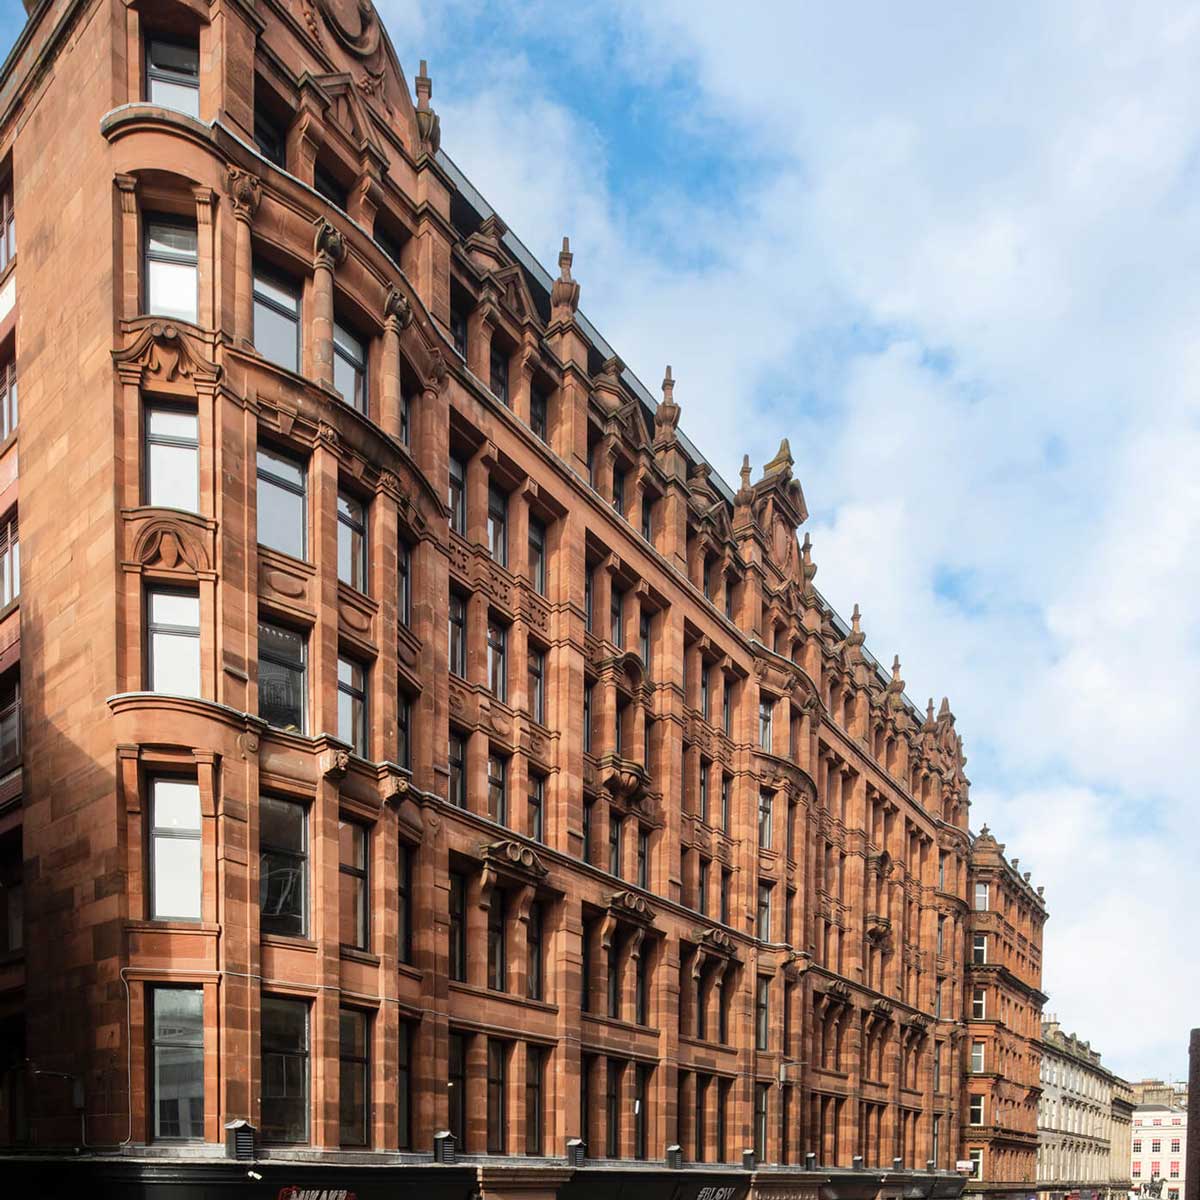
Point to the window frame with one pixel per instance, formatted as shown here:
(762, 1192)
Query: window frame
(167, 630)
(359, 698)
(277, 660)
(157, 1042)
(153, 74)
(283, 284)
(283, 485)
(174, 258)
(356, 355)
(360, 873)
(150, 406)
(354, 1060)
(268, 849)
(352, 525)
(271, 1046)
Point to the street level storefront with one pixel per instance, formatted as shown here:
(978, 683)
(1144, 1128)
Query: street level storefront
(113, 1178)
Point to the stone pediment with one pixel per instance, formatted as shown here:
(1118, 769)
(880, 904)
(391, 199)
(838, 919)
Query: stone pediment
(510, 857)
(630, 906)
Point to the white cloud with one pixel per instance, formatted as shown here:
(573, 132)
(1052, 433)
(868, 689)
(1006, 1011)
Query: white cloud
(952, 256)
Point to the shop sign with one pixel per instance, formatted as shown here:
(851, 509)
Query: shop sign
(299, 1193)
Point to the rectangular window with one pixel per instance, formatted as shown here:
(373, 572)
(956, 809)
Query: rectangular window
(614, 845)
(282, 684)
(173, 75)
(766, 817)
(614, 983)
(617, 625)
(705, 694)
(352, 541)
(10, 723)
(981, 897)
(702, 889)
(353, 1109)
(726, 884)
(941, 935)
(937, 1066)
(498, 373)
(589, 598)
(643, 858)
(539, 408)
(979, 1004)
(641, 1108)
(172, 455)
(352, 885)
(535, 971)
(726, 801)
(404, 902)
(644, 638)
(763, 924)
(282, 866)
(535, 802)
(588, 806)
(977, 1051)
(404, 1087)
(8, 227)
(458, 635)
(766, 714)
(329, 186)
(762, 1092)
(277, 320)
(498, 789)
(458, 496)
(497, 526)
(537, 556)
(762, 1013)
(612, 1093)
(175, 873)
(269, 138)
(976, 1110)
(537, 685)
(497, 949)
(976, 1158)
(705, 772)
(727, 709)
(497, 659)
(535, 1072)
(173, 642)
(352, 705)
(641, 987)
(618, 490)
(458, 334)
(350, 367)
(458, 770)
(403, 583)
(282, 503)
(285, 1104)
(458, 927)
(979, 949)
(403, 730)
(456, 1088)
(177, 1062)
(647, 522)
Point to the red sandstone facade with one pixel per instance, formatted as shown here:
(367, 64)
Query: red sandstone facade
(418, 735)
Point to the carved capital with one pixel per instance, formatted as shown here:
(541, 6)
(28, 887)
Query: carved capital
(245, 193)
(329, 246)
(398, 309)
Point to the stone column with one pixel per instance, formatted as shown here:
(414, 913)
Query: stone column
(329, 251)
(396, 315)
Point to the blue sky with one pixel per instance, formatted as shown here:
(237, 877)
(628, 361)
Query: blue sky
(951, 253)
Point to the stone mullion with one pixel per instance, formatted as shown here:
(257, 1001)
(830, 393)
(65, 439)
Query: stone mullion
(322, 550)
(383, 533)
(206, 258)
(131, 246)
(324, 915)
(384, 880)
(476, 1106)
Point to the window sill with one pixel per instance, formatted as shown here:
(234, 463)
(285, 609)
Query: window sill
(352, 954)
(286, 941)
(172, 926)
(470, 989)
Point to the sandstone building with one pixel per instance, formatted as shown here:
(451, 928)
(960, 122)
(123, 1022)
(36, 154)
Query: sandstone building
(413, 734)
(1084, 1122)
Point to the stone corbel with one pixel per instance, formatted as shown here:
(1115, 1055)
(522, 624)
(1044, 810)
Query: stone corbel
(329, 246)
(334, 763)
(608, 929)
(245, 193)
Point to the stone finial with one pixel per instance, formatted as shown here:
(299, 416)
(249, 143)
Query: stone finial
(896, 667)
(429, 124)
(944, 711)
(1026, 876)
(745, 471)
(1016, 862)
(985, 831)
(808, 568)
(929, 712)
(666, 417)
(856, 620)
(783, 461)
(564, 296)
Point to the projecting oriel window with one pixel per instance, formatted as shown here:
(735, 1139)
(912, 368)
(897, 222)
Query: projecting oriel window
(277, 320)
(175, 874)
(172, 462)
(173, 75)
(172, 278)
(173, 642)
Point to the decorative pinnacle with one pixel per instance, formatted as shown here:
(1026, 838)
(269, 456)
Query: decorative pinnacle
(896, 667)
(745, 472)
(564, 295)
(668, 385)
(944, 711)
(985, 832)
(424, 87)
(856, 620)
(929, 711)
(565, 259)
(806, 545)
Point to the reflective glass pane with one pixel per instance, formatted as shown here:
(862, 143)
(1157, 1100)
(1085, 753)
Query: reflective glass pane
(281, 643)
(176, 241)
(172, 288)
(174, 477)
(281, 824)
(175, 56)
(348, 344)
(175, 664)
(179, 96)
(281, 695)
(175, 608)
(276, 337)
(350, 722)
(178, 1092)
(176, 872)
(172, 422)
(285, 469)
(280, 519)
(176, 805)
(284, 297)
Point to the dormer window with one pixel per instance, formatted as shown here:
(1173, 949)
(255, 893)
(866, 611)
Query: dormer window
(173, 75)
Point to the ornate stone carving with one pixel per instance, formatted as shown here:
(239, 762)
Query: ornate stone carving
(511, 855)
(398, 307)
(329, 246)
(245, 193)
(335, 763)
(162, 351)
(630, 905)
(171, 545)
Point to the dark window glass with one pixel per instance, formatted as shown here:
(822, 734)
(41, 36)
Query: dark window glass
(458, 496)
(458, 331)
(456, 1088)
(726, 801)
(403, 730)
(612, 1094)
(589, 595)
(702, 891)
(536, 805)
(618, 490)
(588, 806)
(172, 452)
(282, 503)
(647, 512)
(458, 927)
(8, 377)
(537, 555)
(350, 367)
(539, 408)
(173, 75)
(330, 187)
(587, 718)
(10, 725)
(284, 1070)
(172, 268)
(537, 685)
(614, 844)
(8, 228)
(392, 244)
(617, 607)
(762, 1013)
(282, 686)
(614, 983)
(722, 1119)
(499, 373)
(176, 878)
(764, 912)
(352, 541)
(177, 1056)
(283, 866)
(726, 883)
(498, 789)
(643, 859)
(701, 1121)
(353, 1108)
(404, 890)
(497, 653)
(641, 996)
(404, 1087)
(727, 710)
(535, 969)
(269, 138)
(766, 713)
(644, 639)
(352, 885)
(705, 695)
(403, 583)
(352, 705)
(458, 770)
(277, 320)
(762, 1092)
(641, 1103)
(535, 1071)
(497, 948)
(497, 1116)
(766, 811)
(458, 635)
(705, 772)
(497, 526)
